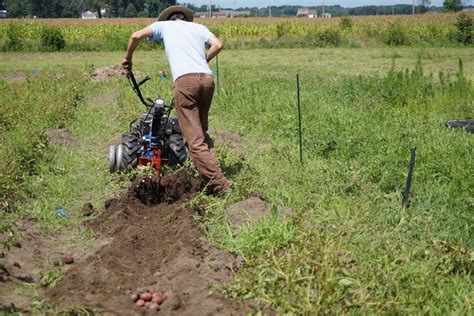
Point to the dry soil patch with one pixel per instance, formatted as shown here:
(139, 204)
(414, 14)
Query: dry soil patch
(111, 72)
(252, 211)
(61, 137)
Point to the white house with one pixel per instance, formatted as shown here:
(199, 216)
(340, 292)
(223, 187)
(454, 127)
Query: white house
(89, 15)
(306, 12)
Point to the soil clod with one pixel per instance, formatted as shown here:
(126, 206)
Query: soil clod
(88, 209)
(68, 259)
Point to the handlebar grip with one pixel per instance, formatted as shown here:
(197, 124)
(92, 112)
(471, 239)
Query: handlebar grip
(144, 80)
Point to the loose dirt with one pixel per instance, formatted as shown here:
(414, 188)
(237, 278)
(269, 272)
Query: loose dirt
(61, 137)
(152, 245)
(145, 239)
(252, 211)
(224, 137)
(112, 72)
(14, 77)
(36, 252)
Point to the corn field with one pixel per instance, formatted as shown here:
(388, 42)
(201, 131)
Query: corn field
(112, 34)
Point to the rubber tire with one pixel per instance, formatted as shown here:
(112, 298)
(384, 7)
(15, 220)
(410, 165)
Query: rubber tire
(129, 152)
(119, 158)
(178, 152)
(112, 158)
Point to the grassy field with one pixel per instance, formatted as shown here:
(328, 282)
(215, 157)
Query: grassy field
(349, 247)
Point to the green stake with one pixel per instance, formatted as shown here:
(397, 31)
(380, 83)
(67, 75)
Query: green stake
(299, 116)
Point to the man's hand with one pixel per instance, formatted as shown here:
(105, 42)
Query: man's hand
(127, 64)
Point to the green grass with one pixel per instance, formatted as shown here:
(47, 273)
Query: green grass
(350, 247)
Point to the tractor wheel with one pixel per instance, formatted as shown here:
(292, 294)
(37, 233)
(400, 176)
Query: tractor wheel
(127, 152)
(112, 158)
(178, 152)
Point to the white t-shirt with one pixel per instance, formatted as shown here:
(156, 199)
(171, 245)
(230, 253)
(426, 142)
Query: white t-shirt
(185, 46)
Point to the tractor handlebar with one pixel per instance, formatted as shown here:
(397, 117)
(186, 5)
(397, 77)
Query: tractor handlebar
(148, 102)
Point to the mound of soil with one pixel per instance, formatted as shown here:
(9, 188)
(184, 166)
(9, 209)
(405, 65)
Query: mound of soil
(252, 211)
(223, 137)
(152, 245)
(61, 137)
(112, 72)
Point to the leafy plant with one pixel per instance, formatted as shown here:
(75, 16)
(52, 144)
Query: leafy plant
(14, 41)
(50, 278)
(395, 34)
(346, 23)
(464, 29)
(52, 39)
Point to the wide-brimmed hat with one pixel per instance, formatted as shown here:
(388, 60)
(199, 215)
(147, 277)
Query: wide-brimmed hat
(168, 12)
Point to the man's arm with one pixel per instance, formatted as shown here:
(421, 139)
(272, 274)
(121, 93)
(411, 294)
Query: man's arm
(132, 45)
(215, 47)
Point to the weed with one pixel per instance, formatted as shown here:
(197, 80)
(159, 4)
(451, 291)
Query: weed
(14, 41)
(395, 34)
(464, 29)
(50, 278)
(346, 23)
(52, 39)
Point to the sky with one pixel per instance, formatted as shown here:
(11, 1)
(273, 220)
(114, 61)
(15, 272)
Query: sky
(264, 3)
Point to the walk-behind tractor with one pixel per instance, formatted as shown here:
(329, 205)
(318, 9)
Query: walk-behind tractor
(155, 138)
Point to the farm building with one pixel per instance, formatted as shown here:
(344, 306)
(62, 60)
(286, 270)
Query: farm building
(89, 15)
(219, 14)
(306, 12)
(222, 14)
(201, 14)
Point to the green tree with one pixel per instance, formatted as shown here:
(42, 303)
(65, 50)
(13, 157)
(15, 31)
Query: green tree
(73, 9)
(424, 5)
(95, 5)
(17, 8)
(452, 5)
(131, 11)
(156, 6)
(144, 13)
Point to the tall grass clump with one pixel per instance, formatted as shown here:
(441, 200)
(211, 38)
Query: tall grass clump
(346, 23)
(13, 38)
(395, 34)
(52, 39)
(27, 110)
(464, 28)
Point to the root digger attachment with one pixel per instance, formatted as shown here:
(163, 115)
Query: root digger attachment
(155, 138)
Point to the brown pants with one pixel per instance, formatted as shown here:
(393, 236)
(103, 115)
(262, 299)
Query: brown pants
(193, 97)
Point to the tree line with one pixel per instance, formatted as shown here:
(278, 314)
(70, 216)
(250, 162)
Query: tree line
(152, 8)
(74, 8)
